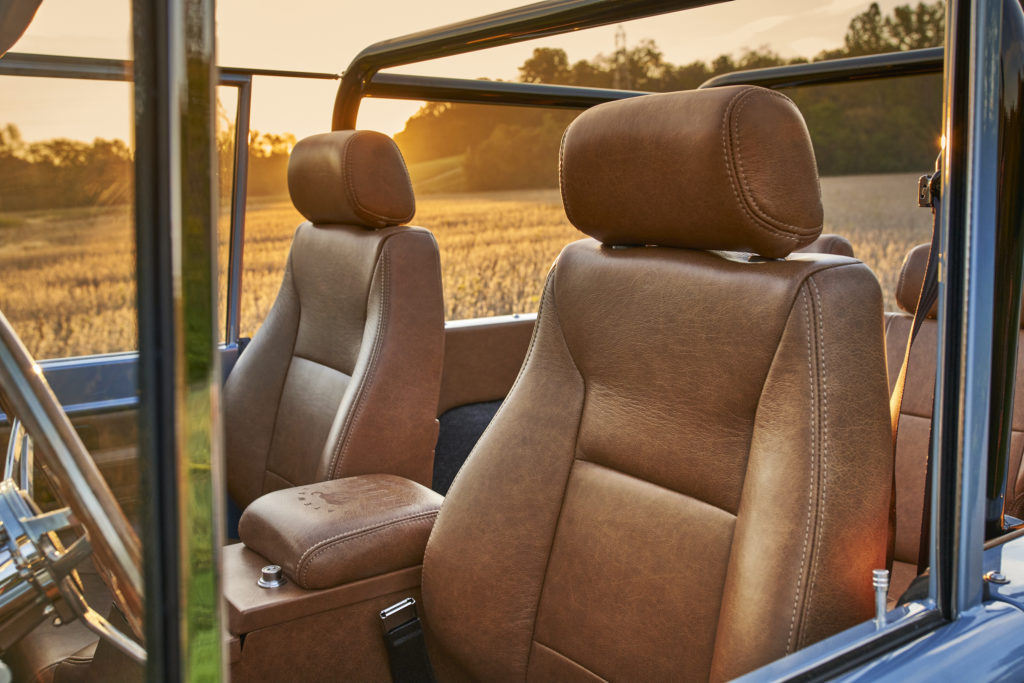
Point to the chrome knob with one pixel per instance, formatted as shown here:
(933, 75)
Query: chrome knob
(271, 576)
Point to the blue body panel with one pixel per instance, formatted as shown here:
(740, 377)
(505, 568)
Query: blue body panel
(984, 644)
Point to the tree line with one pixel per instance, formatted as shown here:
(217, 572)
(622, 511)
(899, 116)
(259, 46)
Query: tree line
(63, 173)
(868, 127)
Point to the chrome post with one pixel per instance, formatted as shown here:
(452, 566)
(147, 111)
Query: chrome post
(880, 581)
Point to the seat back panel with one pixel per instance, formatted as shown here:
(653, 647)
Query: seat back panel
(656, 476)
(308, 401)
(484, 564)
(617, 573)
(333, 268)
(308, 404)
(673, 384)
(812, 520)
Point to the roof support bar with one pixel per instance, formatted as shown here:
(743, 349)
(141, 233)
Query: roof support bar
(502, 28)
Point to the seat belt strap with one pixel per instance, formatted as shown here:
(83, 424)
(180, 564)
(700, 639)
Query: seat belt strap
(928, 195)
(925, 300)
(406, 647)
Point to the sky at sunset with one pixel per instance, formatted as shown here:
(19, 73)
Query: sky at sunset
(315, 35)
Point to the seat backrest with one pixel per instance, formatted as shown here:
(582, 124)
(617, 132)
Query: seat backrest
(916, 417)
(343, 376)
(691, 475)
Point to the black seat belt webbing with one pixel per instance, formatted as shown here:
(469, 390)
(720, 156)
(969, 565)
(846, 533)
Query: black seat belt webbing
(406, 647)
(929, 192)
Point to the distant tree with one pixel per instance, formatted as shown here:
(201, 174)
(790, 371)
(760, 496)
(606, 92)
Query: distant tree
(268, 162)
(922, 26)
(866, 34)
(517, 157)
(10, 140)
(547, 65)
(908, 28)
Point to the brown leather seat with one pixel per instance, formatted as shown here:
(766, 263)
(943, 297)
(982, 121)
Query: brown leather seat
(916, 416)
(828, 243)
(691, 475)
(344, 375)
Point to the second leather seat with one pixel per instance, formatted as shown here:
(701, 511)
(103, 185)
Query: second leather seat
(343, 376)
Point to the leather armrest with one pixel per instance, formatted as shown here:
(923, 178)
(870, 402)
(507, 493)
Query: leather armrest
(335, 532)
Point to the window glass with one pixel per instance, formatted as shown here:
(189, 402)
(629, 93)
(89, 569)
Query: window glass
(872, 141)
(227, 107)
(270, 218)
(66, 235)
(486, 183)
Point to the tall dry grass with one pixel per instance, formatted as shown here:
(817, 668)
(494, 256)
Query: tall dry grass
(68, 276)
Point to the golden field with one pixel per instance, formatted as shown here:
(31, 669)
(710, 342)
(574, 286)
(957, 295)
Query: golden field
(68, 275)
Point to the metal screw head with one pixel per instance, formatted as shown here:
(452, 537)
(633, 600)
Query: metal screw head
(996, 577)
(271, 576)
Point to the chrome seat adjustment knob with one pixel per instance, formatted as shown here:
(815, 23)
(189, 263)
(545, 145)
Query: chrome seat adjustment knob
(271, 576)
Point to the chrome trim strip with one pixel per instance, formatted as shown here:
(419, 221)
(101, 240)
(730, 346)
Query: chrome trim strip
(491, 320)
(238, 196)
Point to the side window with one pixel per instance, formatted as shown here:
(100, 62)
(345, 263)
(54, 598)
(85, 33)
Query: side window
(486, 183)
(872, 141)
(66, 235)
(226, 129)
(270, 218)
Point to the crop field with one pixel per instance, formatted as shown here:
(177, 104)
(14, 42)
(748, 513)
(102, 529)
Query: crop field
(68, 275)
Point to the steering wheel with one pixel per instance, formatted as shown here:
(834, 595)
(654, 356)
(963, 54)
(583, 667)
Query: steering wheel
(42, 579)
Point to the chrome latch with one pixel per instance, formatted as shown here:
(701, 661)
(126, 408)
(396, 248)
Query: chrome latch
(399, 613)
(880, 580)
(271, 576)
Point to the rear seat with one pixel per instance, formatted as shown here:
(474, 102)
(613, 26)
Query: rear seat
(829, 243)
(916, 415)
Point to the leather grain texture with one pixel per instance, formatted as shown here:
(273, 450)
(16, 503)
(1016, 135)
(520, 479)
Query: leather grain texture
(916, 415)
(336, 532)
(350, 177)
(344, 374)
(724, 168)
(689, 479)
(481, 361)
(908, 287)
(341, 644)
(829, 243)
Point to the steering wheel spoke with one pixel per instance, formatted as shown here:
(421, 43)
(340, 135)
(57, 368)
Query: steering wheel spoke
(38, 576)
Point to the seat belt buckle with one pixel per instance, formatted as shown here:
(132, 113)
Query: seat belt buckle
(927, 190)
(398, 614)
(405, 645)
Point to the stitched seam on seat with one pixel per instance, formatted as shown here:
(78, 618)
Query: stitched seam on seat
(306, 559)
(561, 176)
(810, 493)
(899, 288)
(823, 450)
(366, 382)
(501, 408)
(569, 659)
(757, 223)
(322, 365)
(660, 486)
(353, 196)
(291, 354)
(748, 192)
(568, 476)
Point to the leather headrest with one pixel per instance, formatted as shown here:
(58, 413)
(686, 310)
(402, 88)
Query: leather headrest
(350, 177)
(829, 243)
(724, 168)
(908, 287)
